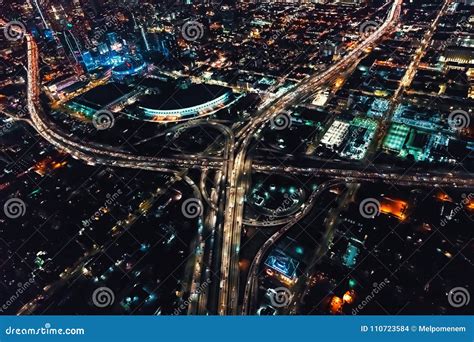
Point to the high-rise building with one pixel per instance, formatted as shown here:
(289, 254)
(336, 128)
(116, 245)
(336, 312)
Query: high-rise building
(88, 60)
(165, 43)
(145, 39)
(73, 45)
(112, 37)
(103, 49)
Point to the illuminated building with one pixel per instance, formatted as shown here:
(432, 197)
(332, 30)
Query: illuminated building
(396, 137)
(88, 61)
(60, 87)
(335, 307)
(145, 39)
(73, 45)
(321, 98)
(416, 117)
(470, 205)
(349, 258)
(112, 37)
(393, 207)
(103, 49)
(131, 67)
(378, 108)
(349, 297)
(190, 111)
(165, 43)
(360, 135)
(417, 144)
(459, 55)
(284, 265)
(61, 83)
(47, 165)
(335, 135)
(443, 197)
(186, 103)
(105, 96)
